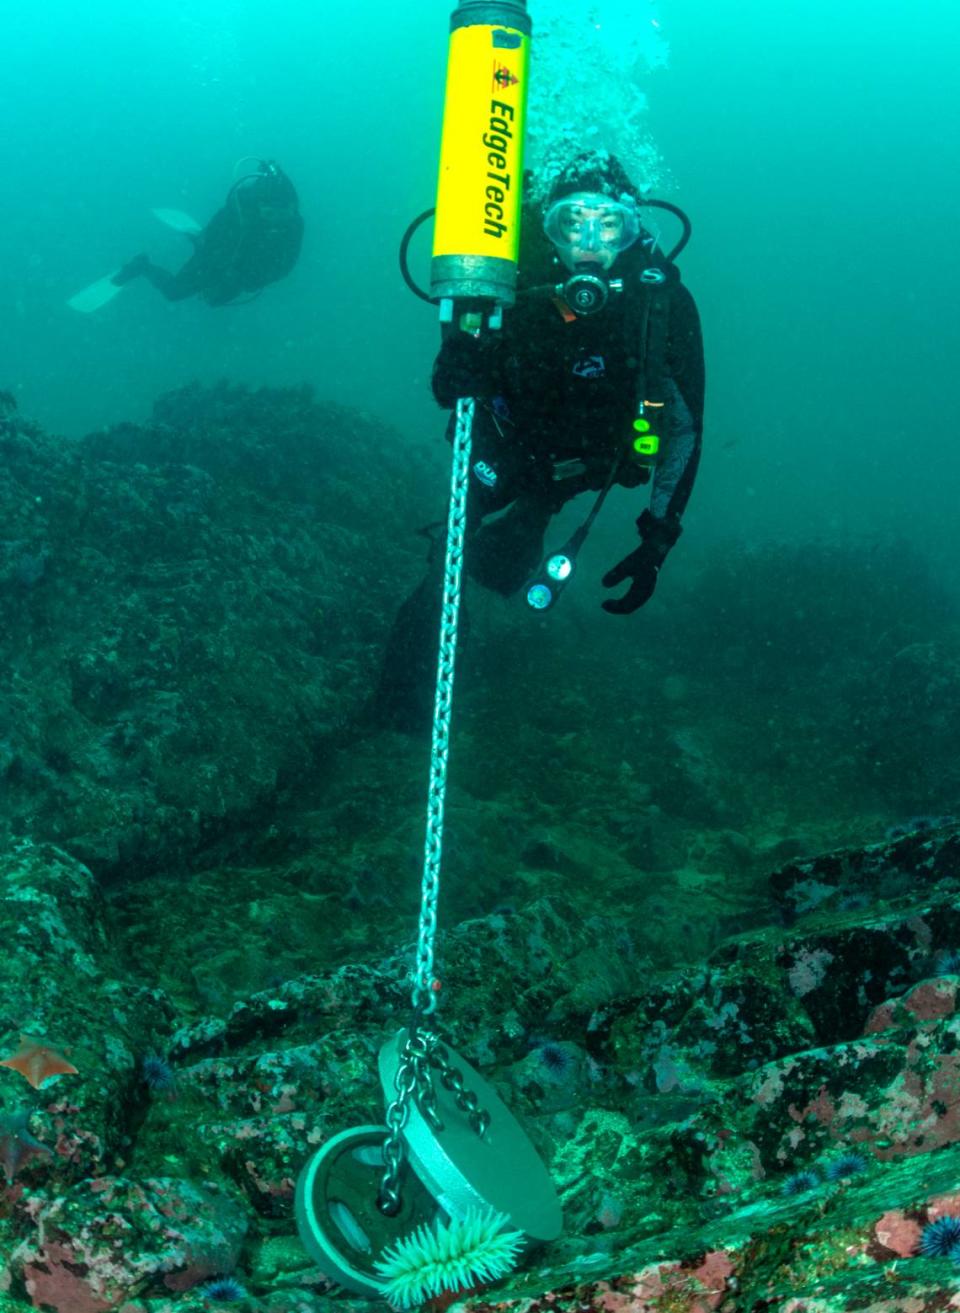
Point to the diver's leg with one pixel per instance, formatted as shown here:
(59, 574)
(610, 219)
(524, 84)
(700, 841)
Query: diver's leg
(404, 695)
(134, 268)
(187, 281)
(501, 556)
(175, 287)
(505, 552)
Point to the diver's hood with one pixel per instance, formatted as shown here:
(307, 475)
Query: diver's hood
(595, 171)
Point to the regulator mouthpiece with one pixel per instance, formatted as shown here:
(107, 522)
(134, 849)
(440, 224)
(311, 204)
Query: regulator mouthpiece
(587, 293)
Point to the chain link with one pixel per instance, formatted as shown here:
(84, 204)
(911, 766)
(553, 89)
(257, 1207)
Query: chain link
(412, 1078)
(424, 994)
(420, 1050)
(467, 1101)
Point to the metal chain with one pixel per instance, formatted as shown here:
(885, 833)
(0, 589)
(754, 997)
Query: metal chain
(419, 1051)
(424, 994)
(452, 1080)
(422, 1049)
(412, 1078)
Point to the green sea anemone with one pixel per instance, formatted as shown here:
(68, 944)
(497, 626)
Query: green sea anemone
(448, 1257)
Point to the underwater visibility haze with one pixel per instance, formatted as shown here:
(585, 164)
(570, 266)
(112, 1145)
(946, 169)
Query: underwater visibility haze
(665, 883)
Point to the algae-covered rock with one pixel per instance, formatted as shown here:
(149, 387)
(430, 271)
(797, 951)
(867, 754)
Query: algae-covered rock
(108, 1239)
(65, 997)
(746, 1090)
(187, 610)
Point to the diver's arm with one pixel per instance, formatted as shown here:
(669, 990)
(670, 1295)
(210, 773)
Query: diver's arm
(677, 468)
(675, 474)
(659, 526)
(685, 353)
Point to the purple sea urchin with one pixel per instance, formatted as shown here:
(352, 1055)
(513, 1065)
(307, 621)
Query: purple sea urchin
(847, 1164)
(556, 1060)
(941, 1238)
(800, 1183)
(224, 1290)
(157, 1073)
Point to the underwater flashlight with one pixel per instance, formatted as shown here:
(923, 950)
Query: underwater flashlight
(554, 575)
(548, 584)
(560, 567)
(539, 597)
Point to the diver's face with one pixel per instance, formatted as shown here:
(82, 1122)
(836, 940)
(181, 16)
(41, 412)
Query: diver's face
(592, 235)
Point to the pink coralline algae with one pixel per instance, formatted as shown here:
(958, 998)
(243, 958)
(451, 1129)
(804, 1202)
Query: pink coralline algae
(929, 1001)
(704, 1287)
(898, 1233)
(98, 1243)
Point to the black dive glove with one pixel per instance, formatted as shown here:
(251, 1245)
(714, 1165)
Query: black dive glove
(464, 367)
(643, 564)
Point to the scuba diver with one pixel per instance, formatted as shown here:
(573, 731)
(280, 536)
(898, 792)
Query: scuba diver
(593, 381)
(252, 240)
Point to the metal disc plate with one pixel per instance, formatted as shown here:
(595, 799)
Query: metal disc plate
(502, 1170)
(340, 1225)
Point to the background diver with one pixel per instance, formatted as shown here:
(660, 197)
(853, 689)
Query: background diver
(558, 393)
(252, 240)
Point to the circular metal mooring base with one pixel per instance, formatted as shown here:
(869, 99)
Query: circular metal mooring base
(499, 1170)
(340, 1225)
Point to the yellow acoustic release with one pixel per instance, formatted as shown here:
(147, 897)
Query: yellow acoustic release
(477, 226)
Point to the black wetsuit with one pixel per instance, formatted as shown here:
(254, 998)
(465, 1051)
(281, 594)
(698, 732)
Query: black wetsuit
(253, 240)
(564, 400)
(563, 397)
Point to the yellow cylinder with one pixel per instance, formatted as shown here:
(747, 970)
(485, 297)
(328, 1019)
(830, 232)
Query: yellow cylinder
(479, 192)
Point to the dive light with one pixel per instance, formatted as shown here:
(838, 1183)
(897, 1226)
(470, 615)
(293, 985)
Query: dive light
(555, 573)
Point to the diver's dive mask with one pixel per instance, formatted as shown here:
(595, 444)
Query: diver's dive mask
(589, 230)
(591, 227)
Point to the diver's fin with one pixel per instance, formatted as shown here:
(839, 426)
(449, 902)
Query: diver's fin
(96, 295)
(180, 222)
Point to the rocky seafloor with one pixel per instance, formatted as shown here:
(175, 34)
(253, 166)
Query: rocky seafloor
(700, 919)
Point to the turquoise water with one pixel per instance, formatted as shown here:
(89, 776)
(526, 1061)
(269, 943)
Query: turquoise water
(813, 145)
(195, 618)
